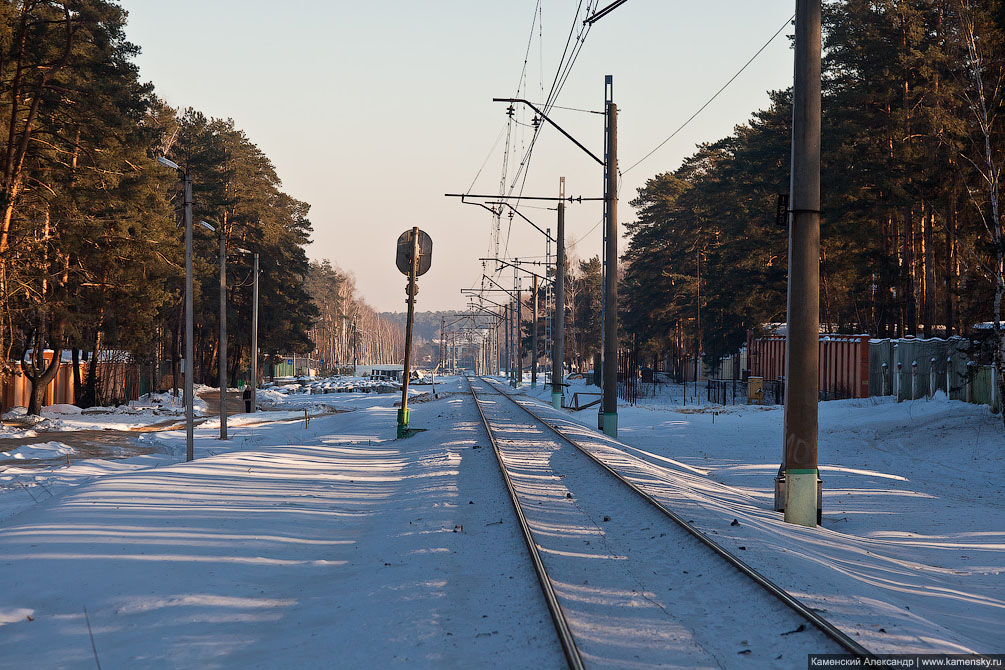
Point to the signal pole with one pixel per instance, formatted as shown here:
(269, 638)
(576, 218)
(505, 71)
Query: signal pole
(610, 361)
(802, 340)
(413, 262)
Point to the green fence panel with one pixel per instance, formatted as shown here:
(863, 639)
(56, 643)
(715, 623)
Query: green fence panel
(981, 391)
(914, 366)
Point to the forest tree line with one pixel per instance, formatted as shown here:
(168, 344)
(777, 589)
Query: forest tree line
(912, 152)
(347, 329)
(91, 232)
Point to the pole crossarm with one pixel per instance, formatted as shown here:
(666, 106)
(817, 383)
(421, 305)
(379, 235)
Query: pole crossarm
(520, 214)
(475, 291)
(486, 312)
(515, 265)
(461, 317)
(520, 262)
(577, 198)
(494, 212)
(599, 14)
(557, 127)
(500, 286)
(481, 297)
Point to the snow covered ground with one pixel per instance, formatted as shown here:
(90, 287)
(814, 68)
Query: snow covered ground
(334, 545)
(913, 534)
(148, 410)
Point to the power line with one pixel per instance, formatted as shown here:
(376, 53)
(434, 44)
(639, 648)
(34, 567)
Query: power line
(590, 231)
(572, 109)
(558, 83)
(710, 100)
(487, 157)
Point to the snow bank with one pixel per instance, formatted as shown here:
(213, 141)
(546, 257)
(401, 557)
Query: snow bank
(61, 408)
(42, 451)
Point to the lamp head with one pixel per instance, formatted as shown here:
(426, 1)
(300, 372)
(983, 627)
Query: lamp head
(168, 163)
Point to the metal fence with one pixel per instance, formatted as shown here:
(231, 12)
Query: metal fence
(726, 391)
(774, 392)
(628, 375)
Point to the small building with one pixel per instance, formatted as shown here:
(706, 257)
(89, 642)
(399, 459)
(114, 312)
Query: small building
(383, 371)
(295, 365)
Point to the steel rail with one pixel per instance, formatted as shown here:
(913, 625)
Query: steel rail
(826, 627)
(569, 648)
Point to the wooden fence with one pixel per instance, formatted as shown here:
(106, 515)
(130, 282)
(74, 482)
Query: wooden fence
(118, 382)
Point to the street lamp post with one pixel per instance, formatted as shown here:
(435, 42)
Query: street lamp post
(222, 353)
(189, 345)
(254, 338)
(254, 327)
(223, 335)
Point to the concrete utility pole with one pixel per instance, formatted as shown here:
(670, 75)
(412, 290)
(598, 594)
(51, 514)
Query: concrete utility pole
(254, 336)
(533, 340)
(799, 481)
(506, 351)
(558, 358)
(518, 328)
(511, 353)
(223, 335)
(610, 362)
(549, 292)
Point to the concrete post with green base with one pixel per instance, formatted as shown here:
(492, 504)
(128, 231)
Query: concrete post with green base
(533, 346)
(611, 424)
(801, 496)
(402, 422)
(558, 355)
(610, 321)
(802, 339)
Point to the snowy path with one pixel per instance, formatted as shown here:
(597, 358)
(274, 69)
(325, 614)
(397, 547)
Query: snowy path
(328, 552)
(335, 545)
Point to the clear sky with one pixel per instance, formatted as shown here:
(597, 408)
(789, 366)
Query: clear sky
(371, 111)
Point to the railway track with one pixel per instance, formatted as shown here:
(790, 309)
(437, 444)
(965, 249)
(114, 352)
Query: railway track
(699, 606)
